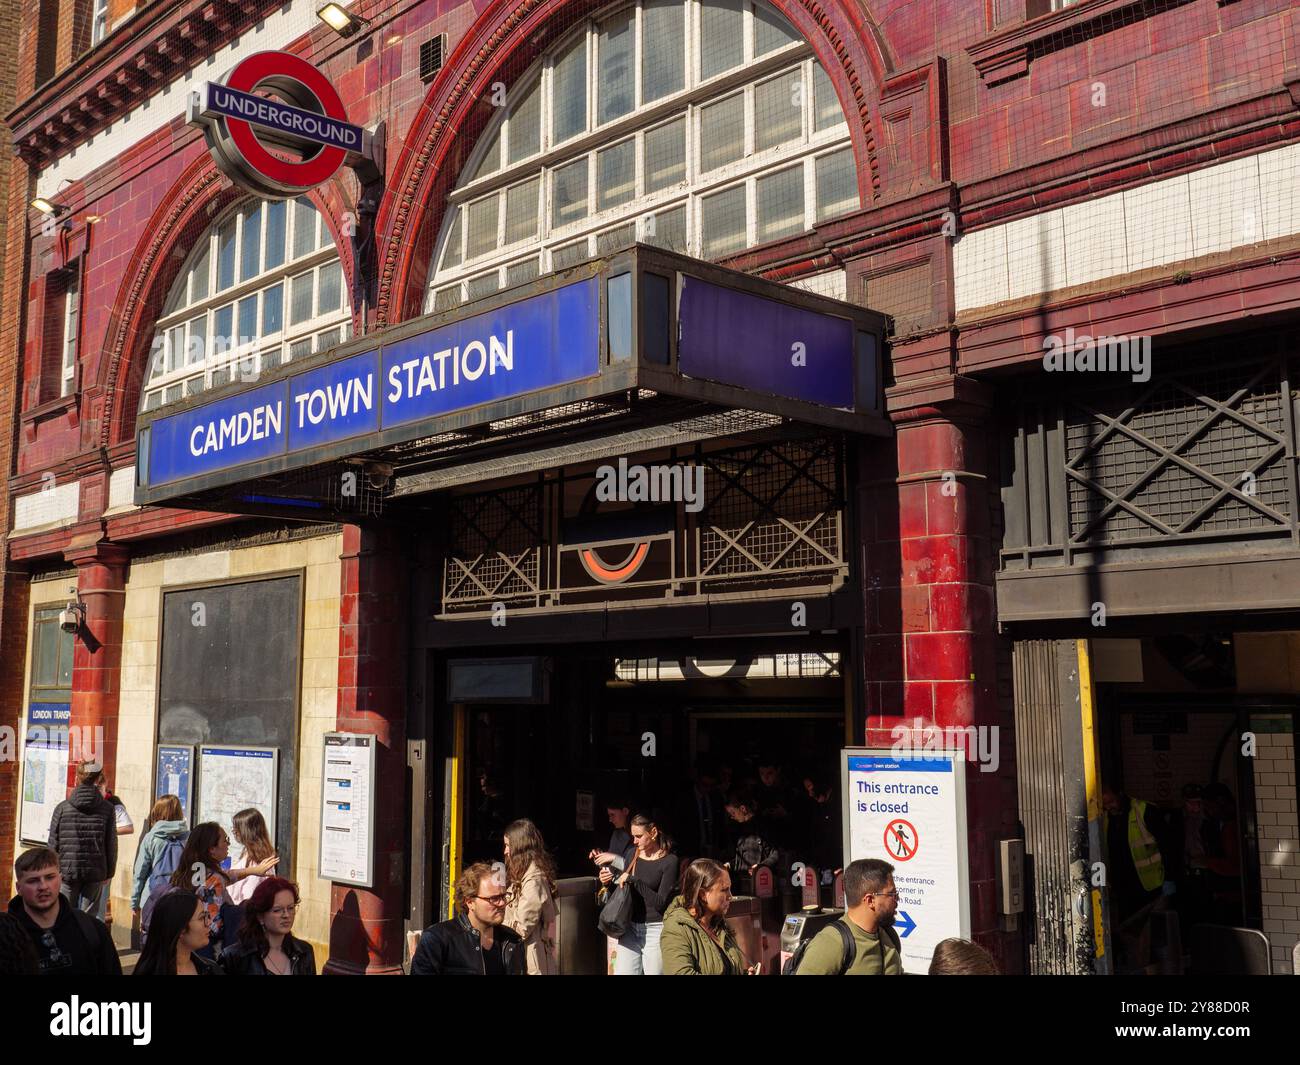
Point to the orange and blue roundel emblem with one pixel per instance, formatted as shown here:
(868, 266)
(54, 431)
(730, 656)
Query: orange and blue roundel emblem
(306, 116)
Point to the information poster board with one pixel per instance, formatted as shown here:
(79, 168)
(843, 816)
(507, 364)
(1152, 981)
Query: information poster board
(910, 811)
(232, 779)
(174, 774)
(347, 814)
(45, 768)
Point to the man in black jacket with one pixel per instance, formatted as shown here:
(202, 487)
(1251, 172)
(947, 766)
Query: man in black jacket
(83, 831)
(68, 942)
(475, 942)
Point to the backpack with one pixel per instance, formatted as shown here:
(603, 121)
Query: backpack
(166, 863)
(847, 958)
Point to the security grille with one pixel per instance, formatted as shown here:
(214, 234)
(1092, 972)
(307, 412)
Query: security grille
(432, 53)
(1203, 453)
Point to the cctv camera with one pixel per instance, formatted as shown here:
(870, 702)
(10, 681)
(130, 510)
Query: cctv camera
(70, 619)
(378, 475)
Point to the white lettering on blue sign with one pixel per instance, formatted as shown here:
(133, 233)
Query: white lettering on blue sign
(416, 376)
(237, 430)
(340, 399)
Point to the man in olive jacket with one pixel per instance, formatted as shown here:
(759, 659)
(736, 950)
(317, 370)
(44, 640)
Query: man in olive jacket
(872, 902)
(83, 831)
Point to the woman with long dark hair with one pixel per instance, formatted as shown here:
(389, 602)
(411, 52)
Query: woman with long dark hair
(530, 895)
(250, 833)
(652, 875)
(179, 930)
(696, 940)
(267, 945)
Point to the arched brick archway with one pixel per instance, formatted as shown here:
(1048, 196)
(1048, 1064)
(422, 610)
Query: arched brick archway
(504, 41)
(197, 198)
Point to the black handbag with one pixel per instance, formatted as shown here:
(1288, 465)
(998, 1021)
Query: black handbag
(616, 915)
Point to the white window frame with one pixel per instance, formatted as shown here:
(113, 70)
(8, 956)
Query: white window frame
(248, 356)
(71, 333)
(684, 103)
(99, 22)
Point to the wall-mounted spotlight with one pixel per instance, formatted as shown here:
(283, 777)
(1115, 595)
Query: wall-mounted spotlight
(49, 207)
(341, 21)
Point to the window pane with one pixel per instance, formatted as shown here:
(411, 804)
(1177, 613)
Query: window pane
(175, 347)
(569, 103)
(483, 286)
(223, 330)
(615, 85)
(722, 25)
(300, 298)
(616, 174)
(153, 401)
(331, 287)
(327, 339)
(837, 184)
(723, 222)
(250, 254)
(491, 160)
(667, 229)
(218, 378)
(276, 216)
(199, 271)
(778, 110)
(722, 132)
(665, 155)
(569, 193)
(771, 30)
(195, 385)
(446, 298)
(526, 124)
(304, 228)
(613, 239)
(270, 359)
(521, 211)
(299, 348)
(570, 255)
(172, 394)
(226, 256)
(247, 319)
(780, 204)
(483, 226)
(451, 253)
(826, 105)
(521, 273)
(47, 655)
(272, 310)
(663, 47)
(197, 341)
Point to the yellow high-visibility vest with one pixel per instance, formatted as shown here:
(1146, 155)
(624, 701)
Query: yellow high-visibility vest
(1147, 860)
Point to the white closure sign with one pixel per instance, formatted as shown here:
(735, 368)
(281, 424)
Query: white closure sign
(910, 811)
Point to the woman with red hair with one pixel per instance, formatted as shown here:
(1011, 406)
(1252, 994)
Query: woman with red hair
(267, 946)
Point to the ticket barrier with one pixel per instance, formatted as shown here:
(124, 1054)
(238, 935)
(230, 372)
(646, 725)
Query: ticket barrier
(580, 944)
(803, 925)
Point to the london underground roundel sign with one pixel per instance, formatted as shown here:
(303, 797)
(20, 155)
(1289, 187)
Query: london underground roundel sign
(306, 121)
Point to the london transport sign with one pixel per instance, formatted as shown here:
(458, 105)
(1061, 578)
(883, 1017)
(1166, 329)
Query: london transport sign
(308, 117)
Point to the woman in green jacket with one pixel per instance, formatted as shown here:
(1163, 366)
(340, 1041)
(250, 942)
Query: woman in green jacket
(165, 824)
(696, 940)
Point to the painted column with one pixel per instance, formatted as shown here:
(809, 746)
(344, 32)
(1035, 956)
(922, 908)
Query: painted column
(366, 926)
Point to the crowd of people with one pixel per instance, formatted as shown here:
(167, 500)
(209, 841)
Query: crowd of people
(198, 913)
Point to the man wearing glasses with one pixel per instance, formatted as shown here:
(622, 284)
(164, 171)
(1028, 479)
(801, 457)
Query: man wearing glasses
(863, 942)
(69, 942)
(475, 942)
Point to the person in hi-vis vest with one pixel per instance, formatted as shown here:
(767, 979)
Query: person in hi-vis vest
(1135, 870)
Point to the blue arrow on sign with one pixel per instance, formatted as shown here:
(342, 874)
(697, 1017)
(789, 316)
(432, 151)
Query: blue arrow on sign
(904, 922)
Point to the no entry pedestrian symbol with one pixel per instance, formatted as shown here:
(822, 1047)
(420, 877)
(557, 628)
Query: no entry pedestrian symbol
(901, 839)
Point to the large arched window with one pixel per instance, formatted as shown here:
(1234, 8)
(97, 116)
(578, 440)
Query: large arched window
(705, 126)
(263, 286)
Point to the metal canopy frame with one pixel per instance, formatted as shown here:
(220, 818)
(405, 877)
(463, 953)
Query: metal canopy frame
(629, 397)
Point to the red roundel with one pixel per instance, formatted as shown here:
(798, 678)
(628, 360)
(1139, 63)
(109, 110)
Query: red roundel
(281, 70)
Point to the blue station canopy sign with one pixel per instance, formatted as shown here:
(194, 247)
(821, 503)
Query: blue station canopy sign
(641, 337)
(547, 340)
